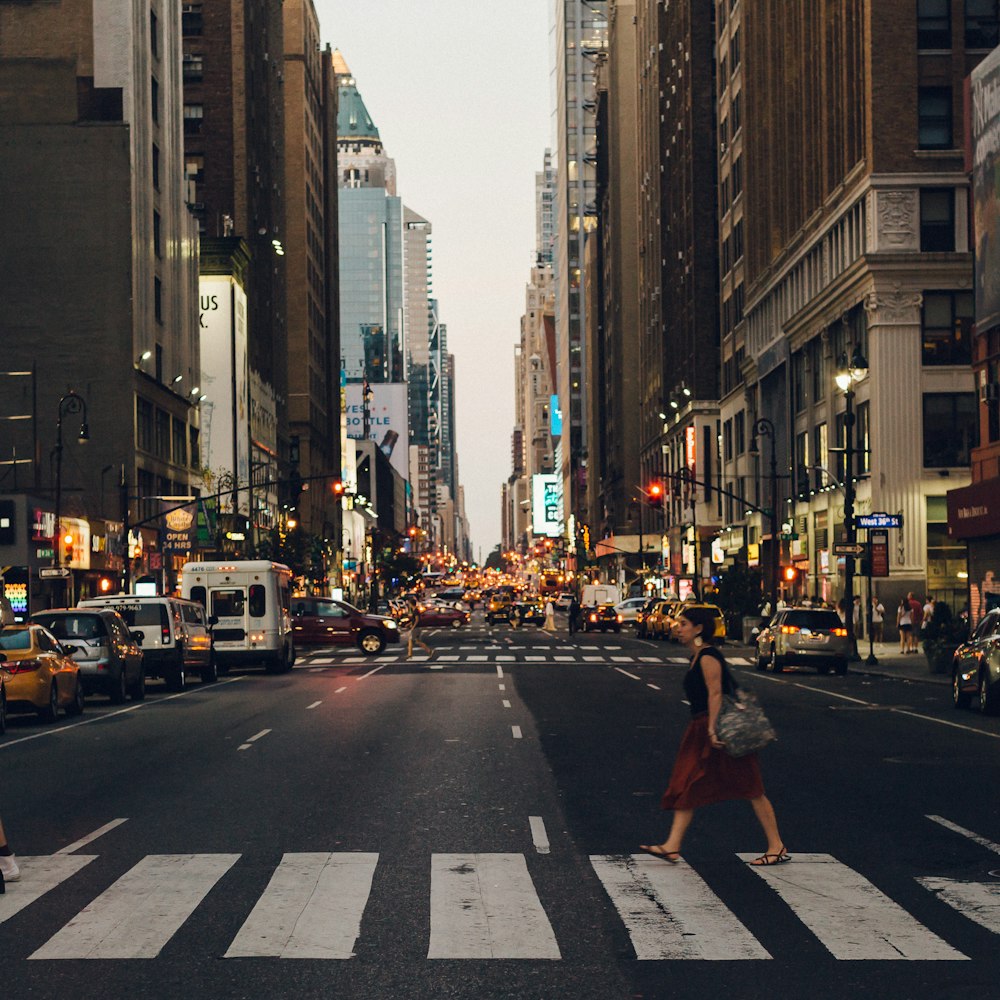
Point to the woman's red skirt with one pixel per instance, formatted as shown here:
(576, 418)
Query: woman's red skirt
(703, 775)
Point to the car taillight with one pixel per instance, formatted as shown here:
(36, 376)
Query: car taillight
(22, 666)
(619, 617)
(593, 618)
(789, 629)
(840, 631)
(165, 633)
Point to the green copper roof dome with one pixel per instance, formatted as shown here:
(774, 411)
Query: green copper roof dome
(353, 120)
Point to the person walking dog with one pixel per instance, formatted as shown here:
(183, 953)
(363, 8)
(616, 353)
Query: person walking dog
(703, 772)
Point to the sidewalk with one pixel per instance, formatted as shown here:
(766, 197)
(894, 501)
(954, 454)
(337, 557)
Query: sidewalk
(892, 663)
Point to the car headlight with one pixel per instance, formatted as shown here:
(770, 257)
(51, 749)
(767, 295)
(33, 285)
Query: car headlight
(391, 624)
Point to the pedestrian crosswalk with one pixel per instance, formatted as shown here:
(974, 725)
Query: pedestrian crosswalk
(485, 906)
(516, 654)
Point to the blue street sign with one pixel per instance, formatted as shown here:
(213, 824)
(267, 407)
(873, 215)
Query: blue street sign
(879, 519)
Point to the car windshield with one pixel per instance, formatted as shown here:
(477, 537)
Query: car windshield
(72, 626)
(11, 641)
(812, 619)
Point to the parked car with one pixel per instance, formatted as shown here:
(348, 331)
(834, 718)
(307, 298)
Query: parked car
(602, 618)
(677, 608)
(629, 609)
(174, 635)
(804, 635)
(322, 621)
(976, 667)
(39, 674)
(438, 614)
(108, 656)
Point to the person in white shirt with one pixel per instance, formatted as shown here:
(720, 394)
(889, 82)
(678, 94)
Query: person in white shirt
(878, 618)
(904, 619)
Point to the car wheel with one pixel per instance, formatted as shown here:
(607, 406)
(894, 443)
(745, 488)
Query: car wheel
(840, 667)
(119, 690)
(139, 688)
(959, 698)
(777, 663)
(51, 711)
(371, 643)
(210, 674)
(176, 681)
(75, 707)
(989, 702)
(823, 668)
(456, 623)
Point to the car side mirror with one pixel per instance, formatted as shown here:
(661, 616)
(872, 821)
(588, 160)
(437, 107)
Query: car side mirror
(69, 650)
(138, 636)
(213, 620)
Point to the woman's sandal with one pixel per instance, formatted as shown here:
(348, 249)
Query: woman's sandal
(671, 857)
(772, 859)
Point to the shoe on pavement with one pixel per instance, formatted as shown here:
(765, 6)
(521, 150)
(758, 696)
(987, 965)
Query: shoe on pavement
(9, 869)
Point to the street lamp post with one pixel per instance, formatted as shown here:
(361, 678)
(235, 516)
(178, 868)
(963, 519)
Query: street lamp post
(765, 427)
(69, 405)
(849, 373)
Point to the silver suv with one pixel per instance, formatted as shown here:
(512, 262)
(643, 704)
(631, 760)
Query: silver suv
(804, 635)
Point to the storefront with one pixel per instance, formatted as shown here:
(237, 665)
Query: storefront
(974, 517)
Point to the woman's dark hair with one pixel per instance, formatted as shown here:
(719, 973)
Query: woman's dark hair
(702, 617)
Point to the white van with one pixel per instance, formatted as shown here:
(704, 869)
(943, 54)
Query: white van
(248, 602)
(600, 593)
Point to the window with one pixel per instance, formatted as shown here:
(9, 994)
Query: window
(799, 381)
(227, 603)
(162, 449)
(821, 455)
(195, 451)
(951, 429)
(947, 328)
(738, 241)
(191, 20)
(198, 594)
(194, 167)
(741, 434)
(734, 51)
(258, 600)
(194, 67)
(158, 299)
(156, 166)
(863, 438)
(727, 441)
(737, 176)
(802, 462)
(144, 424)
(157, 249)
(937, 220)
(193, 114)
(736, 106)
(818, 361)
(934, 117)
(933, 24)
(154, 98)
(154, 34)
(982, 24)
(179, 443)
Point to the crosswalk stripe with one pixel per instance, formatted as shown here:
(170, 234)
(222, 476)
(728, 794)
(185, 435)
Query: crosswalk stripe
(979, 901)
(311, 908)
(142, 911)
(670, 912)
(485, 906)
(851, 917)
(38, 876)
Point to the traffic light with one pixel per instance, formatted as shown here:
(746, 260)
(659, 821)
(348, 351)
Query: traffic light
(338, 488)
(67, 543)
(789, 574)
(654, 494)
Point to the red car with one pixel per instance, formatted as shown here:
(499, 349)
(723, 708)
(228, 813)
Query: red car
(322, 621)
(437, 615)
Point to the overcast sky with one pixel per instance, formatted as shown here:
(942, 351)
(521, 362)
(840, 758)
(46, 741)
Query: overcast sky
(459, 91)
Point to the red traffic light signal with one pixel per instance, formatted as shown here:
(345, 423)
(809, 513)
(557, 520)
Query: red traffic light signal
(790, 574)
(67, 544)
(338, 488)
(654, 494)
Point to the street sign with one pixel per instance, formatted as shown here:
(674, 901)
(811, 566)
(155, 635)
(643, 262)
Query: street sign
(848, 548)
(879, 519)
(879, 543)
(53, 572)
(789, 536)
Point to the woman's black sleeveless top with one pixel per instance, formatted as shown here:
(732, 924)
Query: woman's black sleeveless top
(695, 689)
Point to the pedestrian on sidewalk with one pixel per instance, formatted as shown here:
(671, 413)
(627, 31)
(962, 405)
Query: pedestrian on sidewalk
(9, 872)
(878, 618)
(411, 623)
(574, 615)
(916, 620)
(904, 622)
(703, 772)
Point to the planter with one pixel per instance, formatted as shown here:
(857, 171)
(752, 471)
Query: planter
(939, 655)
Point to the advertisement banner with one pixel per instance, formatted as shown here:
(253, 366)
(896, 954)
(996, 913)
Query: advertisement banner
(225, 381)
(546, 505)
(177, 527)
(985, 84)
(388, 422)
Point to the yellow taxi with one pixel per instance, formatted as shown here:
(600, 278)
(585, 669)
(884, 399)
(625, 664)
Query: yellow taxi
(657, 623)
(38, 672)
(719, 632)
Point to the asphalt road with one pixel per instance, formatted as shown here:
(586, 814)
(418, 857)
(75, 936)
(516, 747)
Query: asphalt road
(467, 826)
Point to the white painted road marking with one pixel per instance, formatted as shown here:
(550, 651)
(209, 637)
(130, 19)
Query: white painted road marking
(515, 731)
(91, 837)
(315, 704)
(142, 911)
(851, 917)
(499, 671)
(38, 876)
(979, 901)
(506, 704)
(670, 912)
(374, 670)
(538, 835)
(311, 908)
(340, 690)
(655, 687)
(982, 841)
(485, 906)
(634, 677)
(503, 687)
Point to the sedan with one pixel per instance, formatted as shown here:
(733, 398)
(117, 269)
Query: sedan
(38, 673)
(602, 618)
(629, 608)
(442, 614)
(976, 667)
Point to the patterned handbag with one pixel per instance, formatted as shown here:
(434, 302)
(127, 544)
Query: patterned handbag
(741, 726)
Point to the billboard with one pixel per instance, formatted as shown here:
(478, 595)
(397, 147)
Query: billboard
(985, 85)
(546, 505)
(388, 420)
(225, 380)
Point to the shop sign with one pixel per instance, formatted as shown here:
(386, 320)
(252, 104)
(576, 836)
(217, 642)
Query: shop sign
(43, 525)
(878, 553)
(753, 554)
